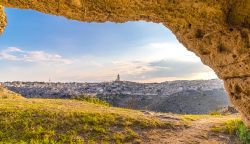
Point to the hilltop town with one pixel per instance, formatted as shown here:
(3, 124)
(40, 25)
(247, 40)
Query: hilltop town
(65, 90)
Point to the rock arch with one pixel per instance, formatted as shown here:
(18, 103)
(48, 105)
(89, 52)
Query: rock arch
(218, 31)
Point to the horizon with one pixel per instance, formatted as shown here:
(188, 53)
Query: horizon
(41, 47)
(109, 81)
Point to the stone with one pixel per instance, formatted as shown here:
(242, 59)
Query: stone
(3, 20)
(218, 31)
(228, 110)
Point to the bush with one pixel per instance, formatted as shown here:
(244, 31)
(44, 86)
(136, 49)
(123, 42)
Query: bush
(235, 127)
(243, 133)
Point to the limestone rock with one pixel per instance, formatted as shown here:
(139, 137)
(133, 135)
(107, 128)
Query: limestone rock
(228, 110)
(218, 31)
(3, 20)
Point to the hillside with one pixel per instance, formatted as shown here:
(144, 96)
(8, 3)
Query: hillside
(7, 94)
(189, 97)
(72, 121)
(193, 102)
(184, 102)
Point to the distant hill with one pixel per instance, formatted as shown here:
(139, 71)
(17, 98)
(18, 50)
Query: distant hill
(189, 97)
(194, 102)
(184, 102)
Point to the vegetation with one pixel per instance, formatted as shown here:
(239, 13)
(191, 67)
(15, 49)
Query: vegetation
(91, 99)
(55, 121)
(193, 117)
(214, 113)
(6, 94)
(189, 118)
(89, 120)
(234, 127)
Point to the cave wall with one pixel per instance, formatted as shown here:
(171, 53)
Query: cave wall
(3, 19)
(218, 31)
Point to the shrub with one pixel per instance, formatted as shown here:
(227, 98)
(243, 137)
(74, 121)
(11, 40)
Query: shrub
(243, 133)
(235, 127)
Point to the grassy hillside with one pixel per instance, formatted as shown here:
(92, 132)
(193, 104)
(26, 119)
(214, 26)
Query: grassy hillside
(7, 94)
(71, 121)
(48, 121)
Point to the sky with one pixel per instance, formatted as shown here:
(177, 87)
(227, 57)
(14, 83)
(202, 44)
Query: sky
(40, 47)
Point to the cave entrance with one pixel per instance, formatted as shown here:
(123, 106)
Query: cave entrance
(53, 49)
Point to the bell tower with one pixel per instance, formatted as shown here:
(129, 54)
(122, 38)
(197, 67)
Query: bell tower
(118, 78)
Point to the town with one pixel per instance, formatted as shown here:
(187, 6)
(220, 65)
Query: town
(191, 97)
(65, 90)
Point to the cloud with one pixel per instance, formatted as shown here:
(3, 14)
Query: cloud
(174, 51)
(141, 71)
(174, 68)
(153, 62)
(17, 54)
(168, 69)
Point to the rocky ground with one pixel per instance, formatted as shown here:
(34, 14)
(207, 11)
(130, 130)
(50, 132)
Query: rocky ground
(197, 132)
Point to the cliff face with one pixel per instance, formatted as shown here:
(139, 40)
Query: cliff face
(218, 31)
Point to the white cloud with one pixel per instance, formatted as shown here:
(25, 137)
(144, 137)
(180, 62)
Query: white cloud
(167, 50)
(153, 62)
(158, 51)
(17, 54)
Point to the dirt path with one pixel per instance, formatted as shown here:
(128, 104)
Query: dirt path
(199, 132)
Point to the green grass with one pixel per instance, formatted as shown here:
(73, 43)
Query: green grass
(85, 120)
(46, 121)
(214, 113)
(234, 127)
(91, 99)
(188, 118)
